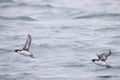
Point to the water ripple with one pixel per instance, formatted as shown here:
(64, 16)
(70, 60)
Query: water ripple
(108, 29)
(97, 15)
(26, 5)
(6, 0)
(23, 18)
(107, 76)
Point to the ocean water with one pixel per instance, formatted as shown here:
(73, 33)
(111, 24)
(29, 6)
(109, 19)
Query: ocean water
(66, 35)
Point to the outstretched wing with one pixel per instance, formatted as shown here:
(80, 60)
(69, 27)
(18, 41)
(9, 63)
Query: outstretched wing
(108, 54)
(104, 56)
(28, 43)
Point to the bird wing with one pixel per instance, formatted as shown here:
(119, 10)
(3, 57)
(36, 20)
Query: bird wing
(109, 53)
(99, 57)
(28, 43)
(104, 56)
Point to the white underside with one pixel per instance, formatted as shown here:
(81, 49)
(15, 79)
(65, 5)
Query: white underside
(26, 53)
(101, 63)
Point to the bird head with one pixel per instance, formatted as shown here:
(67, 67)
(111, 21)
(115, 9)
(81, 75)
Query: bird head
(93, 60)
(17, 50)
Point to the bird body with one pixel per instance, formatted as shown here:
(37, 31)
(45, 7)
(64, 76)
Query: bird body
(25, 51)
(102, 64)
(101, 61)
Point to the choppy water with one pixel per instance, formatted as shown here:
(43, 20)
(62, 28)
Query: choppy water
(66, 35)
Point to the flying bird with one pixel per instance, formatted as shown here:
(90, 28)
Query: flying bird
(101, 61)
(25, 50)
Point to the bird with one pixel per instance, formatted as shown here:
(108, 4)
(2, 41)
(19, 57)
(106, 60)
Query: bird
(25, 50)
(101, 61)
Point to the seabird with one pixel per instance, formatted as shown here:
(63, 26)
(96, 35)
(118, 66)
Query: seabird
(25, 50)
(101, 61)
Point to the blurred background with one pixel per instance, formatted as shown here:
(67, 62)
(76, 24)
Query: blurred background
(66, 35)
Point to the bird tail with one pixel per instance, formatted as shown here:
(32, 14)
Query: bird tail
(32, 56)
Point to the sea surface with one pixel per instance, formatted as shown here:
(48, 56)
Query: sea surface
(66, 35)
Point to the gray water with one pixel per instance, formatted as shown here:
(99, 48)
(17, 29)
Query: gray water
(66, 35)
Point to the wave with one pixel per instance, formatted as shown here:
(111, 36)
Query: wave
(116, 28)
(3, 51)
(26, 5)
(34, 5)
(23, 18)
(114, 42)
(102, 15)
(6, 0)
(107, 76)
(73, 65)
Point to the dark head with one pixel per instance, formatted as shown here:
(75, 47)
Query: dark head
(17, 50)
(93, 60)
